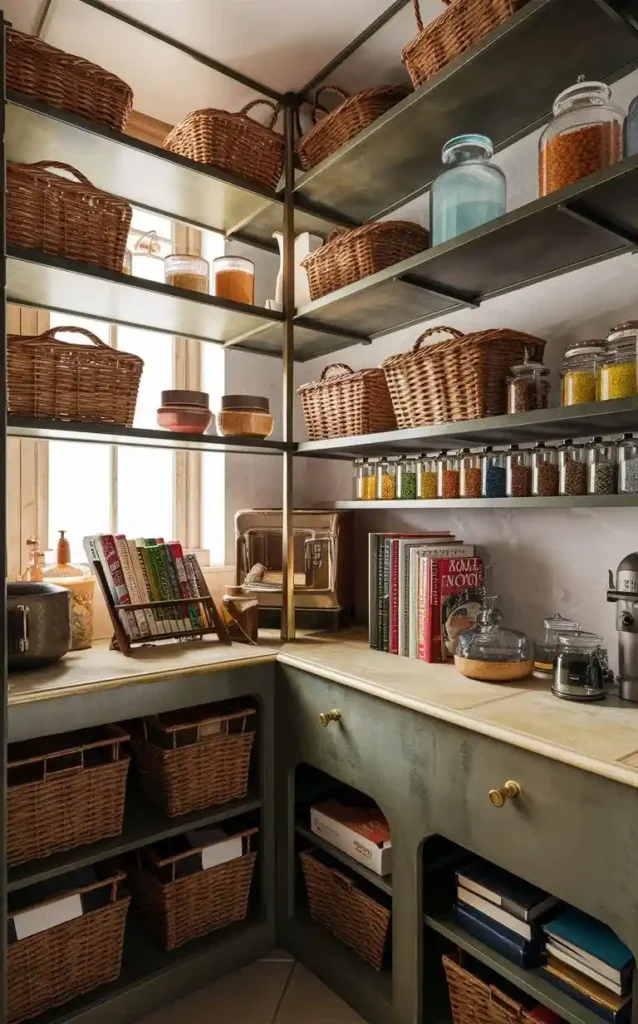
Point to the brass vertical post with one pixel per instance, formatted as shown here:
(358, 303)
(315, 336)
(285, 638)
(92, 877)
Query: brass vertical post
(288, 594)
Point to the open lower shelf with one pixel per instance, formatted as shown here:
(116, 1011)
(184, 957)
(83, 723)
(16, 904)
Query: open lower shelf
(382, 882)
(585, 501)
(143, 824)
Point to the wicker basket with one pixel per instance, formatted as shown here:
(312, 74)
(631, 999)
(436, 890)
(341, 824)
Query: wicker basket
(64, 792)
(461, 26)
(352, 116)
(57, 380)
(345, 402)
(69, 83)
(459, 379)
(179, 909)
(195, 758)
(473, 1001)
(350, 255)
(69, 960)
(65, 218)
(338, 905)
(232, 142)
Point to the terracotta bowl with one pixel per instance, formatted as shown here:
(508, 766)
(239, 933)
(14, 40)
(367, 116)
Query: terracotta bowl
(184, 419)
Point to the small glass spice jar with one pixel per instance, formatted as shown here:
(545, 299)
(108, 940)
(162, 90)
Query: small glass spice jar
(585, 136)
(494, 482)
(471, 485)
(449, 476)
(428, 477)
(357, 479)
(545, 474)
(603, 467)
(234, 278)
(369, 479)
(184, 271)
(527, 387)
(387, 473)
(573, 469)
(580, 375)
(407, 478)
(618, 365)
(628, 465)
(519, 473)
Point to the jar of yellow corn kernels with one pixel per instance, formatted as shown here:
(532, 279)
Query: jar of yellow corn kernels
(618, 367)
(387, 478)
(580, 380)
(369, 479)
(428, 476)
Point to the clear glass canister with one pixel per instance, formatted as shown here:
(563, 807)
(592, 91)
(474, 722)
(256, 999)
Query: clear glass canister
(184, 271)
(357, 478)
(494, 474)
(618, 365)
(585, 136)
(471, 484)
(449, 476)
(527, 387)
(369, 479)
(428, 476)
(603, 467)
(387, 474)
(469, 192)
(628, 465)
(491, 651)
(579, 668)
(545, 474)
(234, 278)
(580, 380)
(546, 649)
(519, 473)
(573, 468)
(407, 478)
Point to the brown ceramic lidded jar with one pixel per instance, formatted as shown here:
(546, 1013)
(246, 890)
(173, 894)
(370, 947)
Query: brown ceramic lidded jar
(245, 416)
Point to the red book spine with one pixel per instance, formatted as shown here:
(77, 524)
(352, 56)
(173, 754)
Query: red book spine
(432, 611)
(394, 598)
(177, 553)
(117, 583)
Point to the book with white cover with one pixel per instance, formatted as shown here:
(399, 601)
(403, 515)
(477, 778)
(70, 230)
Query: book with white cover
(124, 555)
(491, 910)
(579, 964)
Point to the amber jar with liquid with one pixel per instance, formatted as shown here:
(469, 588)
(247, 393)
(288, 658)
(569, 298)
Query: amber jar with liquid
(234, 279)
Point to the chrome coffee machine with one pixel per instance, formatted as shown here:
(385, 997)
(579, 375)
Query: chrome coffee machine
(623, 592)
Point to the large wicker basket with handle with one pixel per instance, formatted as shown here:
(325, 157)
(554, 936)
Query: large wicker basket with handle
(461, 26)
(42, 72)
(459, 379)
(350, 255)
(352, 116)
(232, 142)
(57, 380)
(60, 217)
(345, 402)
(474, 1001)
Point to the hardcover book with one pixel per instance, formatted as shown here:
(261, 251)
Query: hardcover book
(521, 928)
(511, 945)
(452, 595)
(611, 1008)
(592, 942)
(516, 896)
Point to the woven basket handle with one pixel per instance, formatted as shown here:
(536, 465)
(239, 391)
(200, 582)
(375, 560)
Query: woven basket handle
(257, 103)
(436, 330)
(417, 11)
(47, 164)
(316, 106)
(343, 368)
(51, 333)
(342, 880)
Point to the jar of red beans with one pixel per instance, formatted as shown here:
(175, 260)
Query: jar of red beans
(449, 476)
(519, 473)
(471, 474)
(573, 460)
(544, 471)
(527, 387)
(585, 136)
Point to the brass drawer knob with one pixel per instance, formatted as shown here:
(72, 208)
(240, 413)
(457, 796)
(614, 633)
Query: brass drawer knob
(510, 791)
(330, 716)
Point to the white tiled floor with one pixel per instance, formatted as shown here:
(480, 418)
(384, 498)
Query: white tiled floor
(274, 990)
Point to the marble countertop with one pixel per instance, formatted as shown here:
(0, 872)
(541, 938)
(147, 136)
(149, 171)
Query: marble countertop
(601, 737)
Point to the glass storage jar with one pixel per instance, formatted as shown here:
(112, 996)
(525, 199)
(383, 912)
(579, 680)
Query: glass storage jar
(527, 387)
(492, 652)
(618, 365)
(387, 473)
(585, 136)
(580, 375)
(519, 473)
(572, 461)
(545, 475)
(428, 477)
(603, 467)
(579, 669)
(547, 648)
(469, 192)
(234, 278)
(494, 474)
(357, 478)
(184, 271)
(369, 479)
(471, 484)
(407, 478)
(628, 465)
(449, 476)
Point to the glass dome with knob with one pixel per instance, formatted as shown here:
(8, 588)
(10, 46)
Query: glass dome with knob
(492, 652)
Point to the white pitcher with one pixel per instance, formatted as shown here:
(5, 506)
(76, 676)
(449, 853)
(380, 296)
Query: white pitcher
(305, 243)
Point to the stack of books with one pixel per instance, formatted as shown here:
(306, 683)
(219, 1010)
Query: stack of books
(587, 961)
(503, 911)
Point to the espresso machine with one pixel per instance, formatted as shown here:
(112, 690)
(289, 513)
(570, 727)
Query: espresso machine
(623, 592)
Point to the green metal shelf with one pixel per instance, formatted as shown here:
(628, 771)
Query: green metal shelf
(586, 501)
(382, 882)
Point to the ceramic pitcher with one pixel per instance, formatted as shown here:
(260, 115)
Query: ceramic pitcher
(305, 243)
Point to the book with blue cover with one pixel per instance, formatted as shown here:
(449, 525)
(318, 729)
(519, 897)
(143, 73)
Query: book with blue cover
(591, 942)
(610, 1008)
(520, 951)
(514, 895)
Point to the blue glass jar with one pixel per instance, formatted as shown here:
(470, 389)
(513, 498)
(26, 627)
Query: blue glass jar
(469, 192)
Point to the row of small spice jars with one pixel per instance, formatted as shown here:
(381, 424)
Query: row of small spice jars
(572, 469)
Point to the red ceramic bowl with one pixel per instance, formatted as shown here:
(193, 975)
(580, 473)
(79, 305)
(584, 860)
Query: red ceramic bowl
(184, 419)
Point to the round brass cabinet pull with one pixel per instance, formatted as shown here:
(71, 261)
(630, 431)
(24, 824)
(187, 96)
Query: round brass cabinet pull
(510, 791)
(330, 716)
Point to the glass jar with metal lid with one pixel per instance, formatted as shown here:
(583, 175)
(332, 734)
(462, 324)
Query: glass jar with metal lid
(519, 473)
(357, 478)
(585, 136)
(580, 380)
(547, 648)
(603, 467)
(470, 191)
(545, 473)
(579, 671)
(494, 473)
(572, 460)
(471, 474)
(369, 479)
(449, 475)
(407, 477)
(618, 365)
(387, 473)
(527, 387)
(428, 481)
(628, 464)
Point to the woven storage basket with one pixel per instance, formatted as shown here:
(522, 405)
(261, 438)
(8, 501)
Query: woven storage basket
(60, 217)
(459, 379)
(69, 83)
(232, 142)
(352, 116)
(195, 758)
(461, 26)
(349, 256)
(338, 905)
(345, 402)
(65, 792)
(473, 1001)
(186, 908)
(58, 380)
(69, 960)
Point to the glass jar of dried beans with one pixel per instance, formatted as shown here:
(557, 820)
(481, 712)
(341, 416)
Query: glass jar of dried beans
(618, 365)
(471, 474)
(387, 473)
(580, 376)
(573, 469)
(603, 467)
(628, 465)
(544, 471)
(428, 477)
(519, 473)
(449, 476)
(407, 478)
(585, 136)
(494, 474)
(527, 387)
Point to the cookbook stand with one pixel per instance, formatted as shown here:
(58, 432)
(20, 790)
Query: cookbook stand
(121, 640)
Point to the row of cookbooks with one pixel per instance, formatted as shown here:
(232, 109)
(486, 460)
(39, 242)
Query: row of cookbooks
(424, 589)
(147, 570)
(575, 952)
